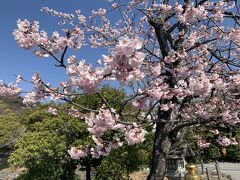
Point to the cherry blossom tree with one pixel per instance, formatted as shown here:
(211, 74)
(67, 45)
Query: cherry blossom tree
(178, 60)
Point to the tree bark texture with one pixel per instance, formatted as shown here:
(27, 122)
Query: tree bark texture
(161, 148)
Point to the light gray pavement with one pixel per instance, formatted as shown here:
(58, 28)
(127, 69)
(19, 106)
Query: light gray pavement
(232, 169)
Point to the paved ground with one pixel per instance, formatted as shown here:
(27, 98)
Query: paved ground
(232, 169)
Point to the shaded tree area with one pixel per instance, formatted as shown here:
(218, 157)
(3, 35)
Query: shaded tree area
(214, 149)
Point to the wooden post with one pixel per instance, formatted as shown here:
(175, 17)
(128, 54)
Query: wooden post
(208, 174)
(218, 171)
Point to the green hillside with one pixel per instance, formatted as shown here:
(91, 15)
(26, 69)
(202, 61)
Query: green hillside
(10, 127)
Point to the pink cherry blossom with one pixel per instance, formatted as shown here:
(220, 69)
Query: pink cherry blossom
(178, 9)
(101, 123)
(53, 110)
(134, 134)
(125, 62)
(202, 143)
(140, 104)
(77, 153)
(9, 90)
(166, 107)
(19, 79)
(215, 131)
(27, 34)
(224, 141)
(82, 76)
(75, 113)
(234, 141)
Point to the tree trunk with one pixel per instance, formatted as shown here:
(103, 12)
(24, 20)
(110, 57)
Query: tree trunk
(88, 170)
(161, 149)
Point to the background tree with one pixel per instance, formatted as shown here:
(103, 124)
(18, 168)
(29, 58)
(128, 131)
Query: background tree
(43, 149)
(10, 128)
(216, 142)
(179, 62)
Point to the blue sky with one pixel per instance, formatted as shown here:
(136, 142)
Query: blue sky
(15, 60)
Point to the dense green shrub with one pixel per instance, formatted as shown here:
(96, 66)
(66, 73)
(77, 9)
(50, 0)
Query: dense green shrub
(212, 153)
(125, 160)
(43, 148)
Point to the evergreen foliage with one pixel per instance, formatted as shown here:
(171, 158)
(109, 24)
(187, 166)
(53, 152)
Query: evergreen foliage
(43, 149)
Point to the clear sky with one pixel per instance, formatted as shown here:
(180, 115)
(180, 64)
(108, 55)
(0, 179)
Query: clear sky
(15, 60)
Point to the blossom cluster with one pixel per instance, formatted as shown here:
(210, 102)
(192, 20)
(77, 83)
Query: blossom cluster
(191, 14)
(134, 134)
(52, 110)
(57, 13)
(230, 117)
(81, 76)
(221, 140)
(77, 153)
(39, 92)
(103, 122)
(203, 143)
(104, 148)
(224, 141)
(9, 90)
(125, 61)
(74, 112)
(28, 36)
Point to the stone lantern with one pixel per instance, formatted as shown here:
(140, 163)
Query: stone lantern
(176, 162)
(176, 168)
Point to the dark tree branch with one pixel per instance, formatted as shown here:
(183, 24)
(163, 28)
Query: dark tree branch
(160, 34)
(182, 125)
(222, 59)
